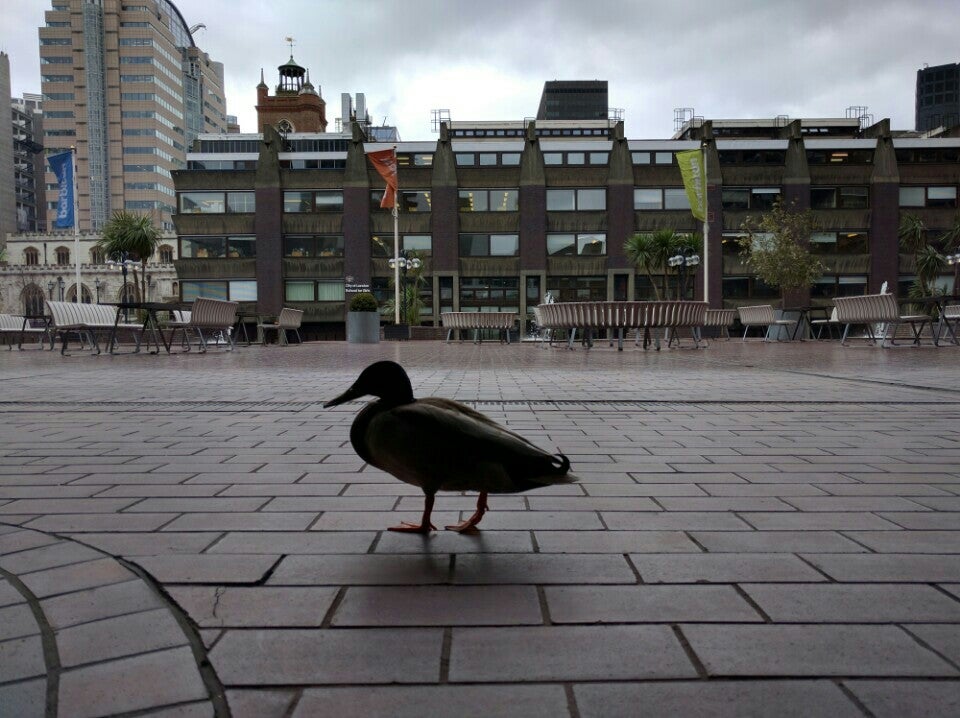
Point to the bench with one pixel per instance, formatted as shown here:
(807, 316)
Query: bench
(721, 319)
(289, 320)
(761, 315)
(950, 318)
(15, 328)
(871, 309)
(211, 315)
(501, 321)
(86, 321)
(623, 316)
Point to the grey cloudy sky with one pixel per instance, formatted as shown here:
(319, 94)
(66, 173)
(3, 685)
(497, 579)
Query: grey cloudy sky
(487, 60)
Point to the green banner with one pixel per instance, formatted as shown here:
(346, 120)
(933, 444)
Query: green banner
(694, 181)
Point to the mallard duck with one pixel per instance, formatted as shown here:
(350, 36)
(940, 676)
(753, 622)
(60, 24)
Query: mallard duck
(442, 445)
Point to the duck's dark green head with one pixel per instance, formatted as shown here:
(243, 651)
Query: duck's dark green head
(384, 379)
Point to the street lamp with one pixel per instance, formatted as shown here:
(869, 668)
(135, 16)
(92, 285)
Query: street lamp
(123, 263)
(686, 258)
(60, 284)
(405, 261)
(954, 259)
(50, 285)
(96, 284)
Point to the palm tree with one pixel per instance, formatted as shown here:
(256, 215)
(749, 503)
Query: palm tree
(651, 250)
(929, 262)
(639, 249)
(134, 236)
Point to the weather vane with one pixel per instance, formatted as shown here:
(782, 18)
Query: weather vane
(290, 40)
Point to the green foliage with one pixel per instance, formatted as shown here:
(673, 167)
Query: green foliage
(414, 303)
(363, 302)
(651, 250)
(929, 262)
(134, 235)
(775, 247)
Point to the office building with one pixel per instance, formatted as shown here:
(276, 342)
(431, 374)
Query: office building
(127, 86)
(29, 162)
(8, 204)
(938, 97)
(573, 100)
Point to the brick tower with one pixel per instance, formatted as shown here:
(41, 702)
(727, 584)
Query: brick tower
(296, 107)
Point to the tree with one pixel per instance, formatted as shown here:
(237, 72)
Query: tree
(775, 247)
(134, 236)
(651, 250)
(929, 262)
(410, 295)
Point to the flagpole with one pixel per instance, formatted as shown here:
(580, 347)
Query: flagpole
(76, 226)
(396, 247)
(706, 230)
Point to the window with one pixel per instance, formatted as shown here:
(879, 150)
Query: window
(657, 198)
(748, 288)
(839, 197)
(828, 287)
(33, 301)
(203, 247)
(96, 256)
(838, 243)
(640, 158)
(577, 289)
(31, 257)
(382, 245)
(190, 290)
(489, 245)
(201, 203)
(164, 252)
(63, 255)
(752, 157)
(417, 159)
(241, 247)
(832, 157)
(242, 202)
(675, 198)
(740, 198)
(319, 290)
(407, 201)
(489, 200)
(584, 244)
(313, 246)
(928, 196)
(569, 200)
(242, 290)
(490, 294)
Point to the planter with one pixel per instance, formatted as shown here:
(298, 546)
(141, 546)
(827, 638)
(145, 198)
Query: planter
(363, 327)
(396, 332)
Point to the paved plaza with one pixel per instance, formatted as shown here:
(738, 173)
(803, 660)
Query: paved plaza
(758, 529)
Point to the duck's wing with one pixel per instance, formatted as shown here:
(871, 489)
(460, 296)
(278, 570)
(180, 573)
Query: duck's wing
(438, 443)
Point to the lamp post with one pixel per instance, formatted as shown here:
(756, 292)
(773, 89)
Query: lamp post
(123, 263)
(954, 259)
(404, 261)
(60, 284)
(686, 258)
(96, 284)
(50, 285)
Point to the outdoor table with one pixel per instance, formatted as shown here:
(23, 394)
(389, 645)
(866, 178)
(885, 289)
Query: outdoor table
(805, 314)
(34, 318)
(150, 322)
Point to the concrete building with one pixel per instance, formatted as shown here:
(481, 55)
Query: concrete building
(29, 162)
(938, 97)
(8, 201)
(128, 87)
(502, 212)
(41, 266)
(573, 100)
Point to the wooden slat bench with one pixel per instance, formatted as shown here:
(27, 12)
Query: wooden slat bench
(762, 316)
(871, 309)
(87, 320)
(210, 315)
(14, 328)
(721, 319)
(289, 320)
(620, 317)
(464, 321)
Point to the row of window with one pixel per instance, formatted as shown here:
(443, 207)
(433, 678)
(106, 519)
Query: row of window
(568, 200)
(31, 255)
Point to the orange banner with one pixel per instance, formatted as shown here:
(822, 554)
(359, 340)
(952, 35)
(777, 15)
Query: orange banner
(385, 163)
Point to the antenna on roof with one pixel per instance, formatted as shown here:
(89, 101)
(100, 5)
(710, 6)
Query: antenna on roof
(438, 117)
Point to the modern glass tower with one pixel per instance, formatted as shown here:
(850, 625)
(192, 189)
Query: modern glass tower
(125, 84)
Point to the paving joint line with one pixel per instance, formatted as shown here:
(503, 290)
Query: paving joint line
(852, 697)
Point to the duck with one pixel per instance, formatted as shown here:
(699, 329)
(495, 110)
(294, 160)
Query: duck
(439, 444)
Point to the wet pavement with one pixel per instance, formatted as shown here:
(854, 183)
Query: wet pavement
(758, 529)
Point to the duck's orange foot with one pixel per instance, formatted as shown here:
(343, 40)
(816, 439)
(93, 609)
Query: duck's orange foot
(468, 526)
(409, 528)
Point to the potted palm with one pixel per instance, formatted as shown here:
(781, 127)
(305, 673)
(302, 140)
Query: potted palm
(363, 319)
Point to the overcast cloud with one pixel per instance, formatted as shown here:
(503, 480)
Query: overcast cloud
(488, 59)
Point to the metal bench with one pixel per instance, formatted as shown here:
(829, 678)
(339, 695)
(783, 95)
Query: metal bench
(720, 319)
(882, 309)
(464, 321)
(86, 321)
(15, 328)
(215, 316)
(762, 316)
(289, 320)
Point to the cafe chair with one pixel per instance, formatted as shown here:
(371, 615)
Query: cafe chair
(289, 320)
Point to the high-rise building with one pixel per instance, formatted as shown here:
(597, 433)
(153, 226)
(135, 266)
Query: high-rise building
(573, 100)
(28, 162)
(8, 205)
(127, 86)
(938, 97)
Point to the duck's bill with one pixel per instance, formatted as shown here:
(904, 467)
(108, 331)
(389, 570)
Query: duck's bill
(346, 396)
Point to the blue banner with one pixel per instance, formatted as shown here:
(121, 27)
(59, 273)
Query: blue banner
(62, 167)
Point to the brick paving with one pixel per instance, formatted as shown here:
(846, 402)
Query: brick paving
(758, 530)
